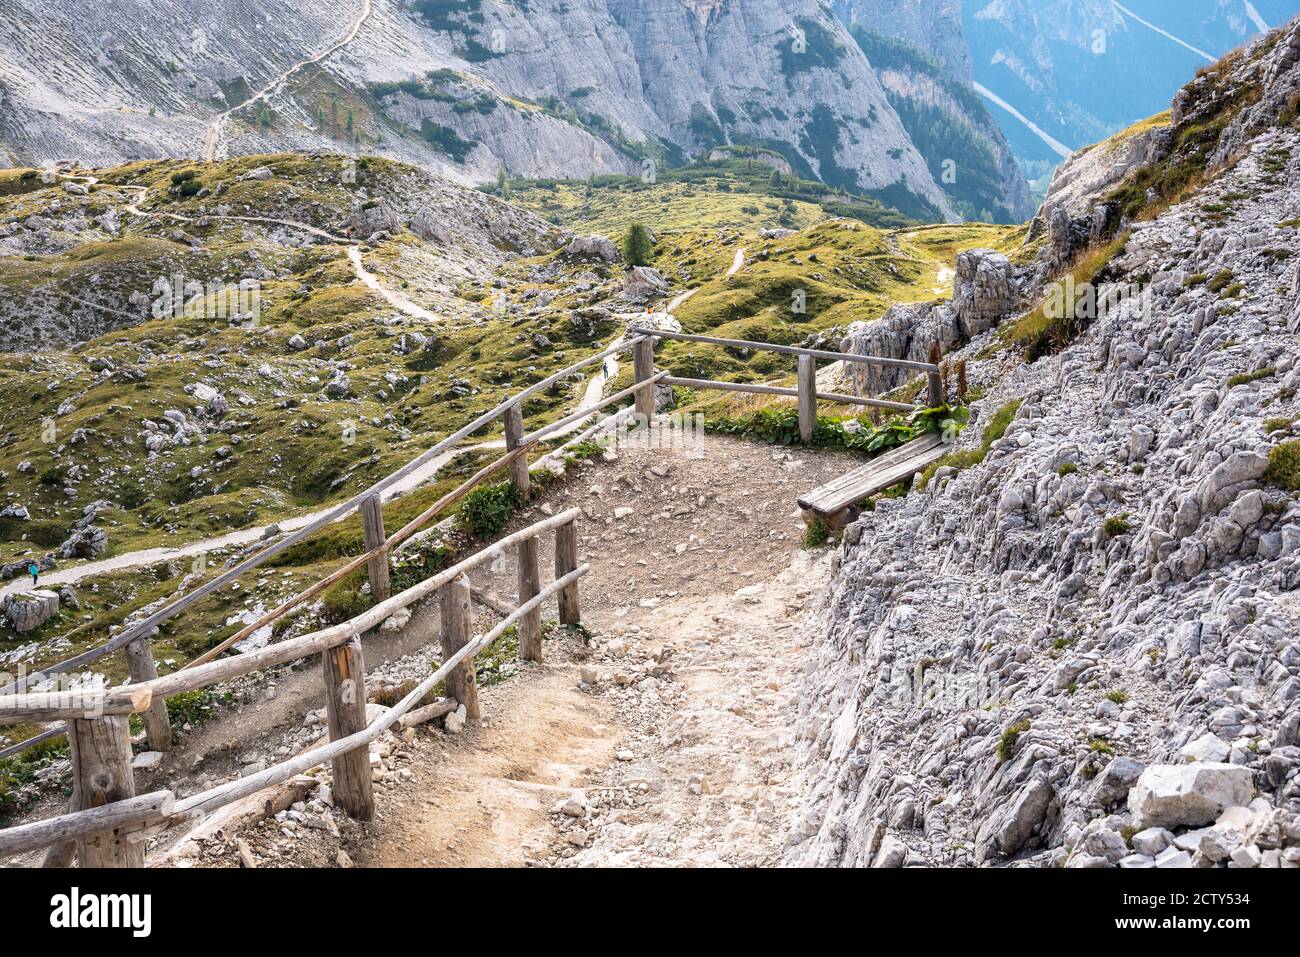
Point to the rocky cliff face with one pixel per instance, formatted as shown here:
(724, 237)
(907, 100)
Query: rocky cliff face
(1078, 647)
(921, 58)
(567, 88)
(932, 26)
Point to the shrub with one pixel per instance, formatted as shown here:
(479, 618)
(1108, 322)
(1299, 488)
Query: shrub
(1284, 466)
(1115, 526)
(1117, 696)
(487, 510)
(1010, 737)
(817, 534)
(1066, 468)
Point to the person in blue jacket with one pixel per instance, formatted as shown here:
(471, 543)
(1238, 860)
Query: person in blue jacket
(35, 571)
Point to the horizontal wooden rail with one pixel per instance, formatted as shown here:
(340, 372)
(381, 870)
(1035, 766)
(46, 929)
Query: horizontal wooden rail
(578, 416)
(191, 679)
(74, 704)
(234, 790)
(759, 389)
(145, 627)
(132, 812)
(385, 548)
(791, 350)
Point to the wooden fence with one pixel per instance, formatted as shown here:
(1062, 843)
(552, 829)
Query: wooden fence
(107, 824)
(806, 376)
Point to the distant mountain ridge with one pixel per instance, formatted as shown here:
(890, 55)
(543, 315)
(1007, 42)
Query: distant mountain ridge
(560, 88)
(919, 52)
(1082, 70)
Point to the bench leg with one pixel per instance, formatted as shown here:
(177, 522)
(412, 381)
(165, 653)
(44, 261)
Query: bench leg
(836, 522)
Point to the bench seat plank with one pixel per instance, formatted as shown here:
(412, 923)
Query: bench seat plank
(876, 476)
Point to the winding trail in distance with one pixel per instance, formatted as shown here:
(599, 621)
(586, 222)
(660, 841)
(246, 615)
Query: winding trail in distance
(593, 392)
(213, 139)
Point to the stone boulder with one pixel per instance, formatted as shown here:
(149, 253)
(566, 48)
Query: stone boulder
(641, 283)
(593, 247)
(659, 321)
(1115, 782)
(26, 610)
(339, 387)
(1011, 826)
(1190, 795)
(985, 292)
(85, 542)
(367, 221)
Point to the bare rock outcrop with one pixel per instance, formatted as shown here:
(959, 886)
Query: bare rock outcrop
(986, 291)
(27, 610)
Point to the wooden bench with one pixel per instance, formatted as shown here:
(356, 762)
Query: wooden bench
(836, 502)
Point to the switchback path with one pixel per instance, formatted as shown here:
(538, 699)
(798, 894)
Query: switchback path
(213, 139)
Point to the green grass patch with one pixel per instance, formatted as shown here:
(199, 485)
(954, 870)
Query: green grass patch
(1245, 378)
(969, 458)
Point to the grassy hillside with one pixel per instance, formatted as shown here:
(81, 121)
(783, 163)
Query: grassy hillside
(745, 192)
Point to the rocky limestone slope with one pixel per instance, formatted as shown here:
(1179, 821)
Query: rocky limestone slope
(466, 88)
(1079, 647)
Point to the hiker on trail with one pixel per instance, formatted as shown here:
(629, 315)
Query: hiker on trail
(34, 570)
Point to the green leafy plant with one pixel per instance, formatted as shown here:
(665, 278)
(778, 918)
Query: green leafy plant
(779, 425)
(489, 509)
(969, 458)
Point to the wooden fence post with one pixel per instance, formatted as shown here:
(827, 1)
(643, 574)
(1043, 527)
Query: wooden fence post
(372, 527)
(345, 703)
(937, 397)
(530, 626)
(643, 366)
(454, 601)
(566, 560)
(141, 666)
(807, 381)
(101, 774)
(514, 418)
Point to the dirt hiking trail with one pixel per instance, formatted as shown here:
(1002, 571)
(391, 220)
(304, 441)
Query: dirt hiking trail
(662, 741)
